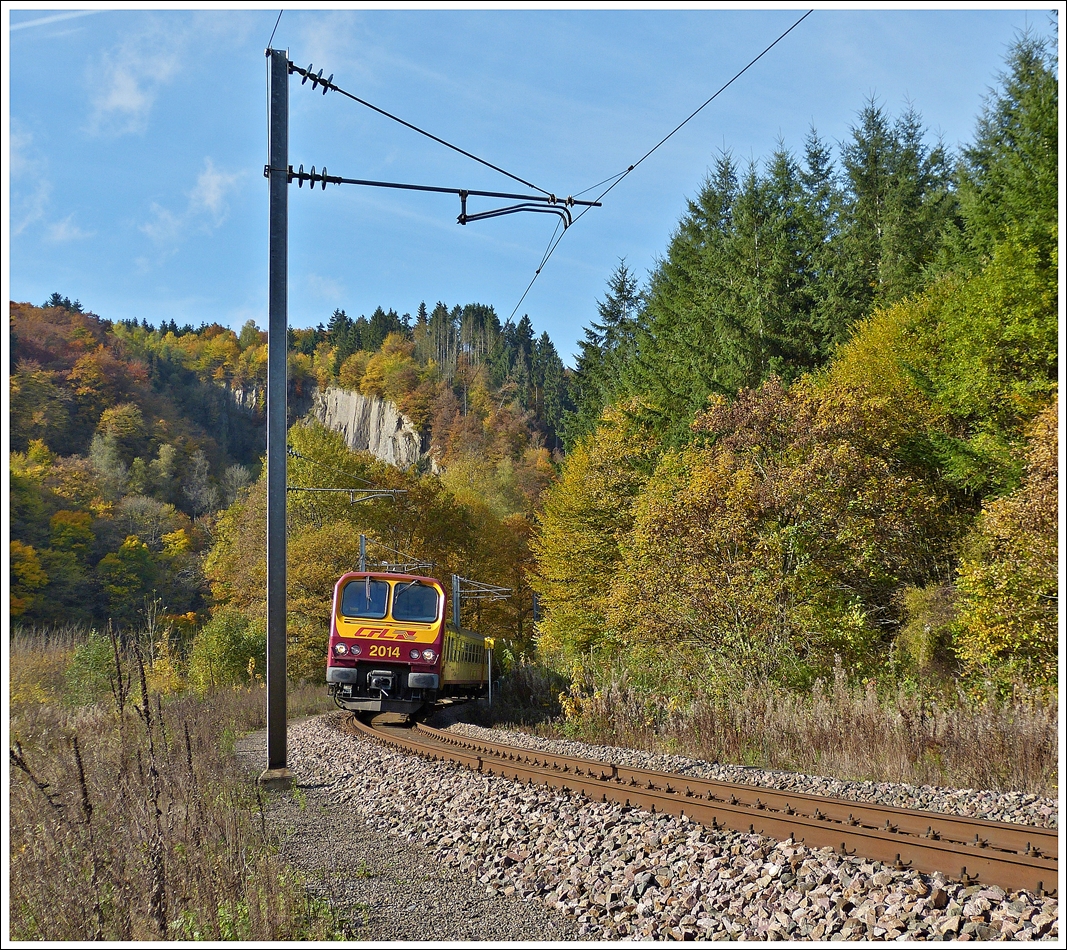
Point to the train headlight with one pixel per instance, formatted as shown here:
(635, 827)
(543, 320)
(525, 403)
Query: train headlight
(429, 656)
(414, 654)
(340, 649)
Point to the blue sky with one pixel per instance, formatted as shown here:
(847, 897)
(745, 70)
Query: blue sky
(137, 142)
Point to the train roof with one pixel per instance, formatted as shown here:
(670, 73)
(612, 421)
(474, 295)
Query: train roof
(390, 575)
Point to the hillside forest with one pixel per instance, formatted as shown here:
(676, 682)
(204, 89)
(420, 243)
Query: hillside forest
(818, 439)
(136, 470)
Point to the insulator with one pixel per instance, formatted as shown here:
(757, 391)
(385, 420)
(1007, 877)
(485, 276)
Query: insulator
(317, 80)
(323, 177)
(312, 176)
(300, 178)
(326, 85)
(307, 73)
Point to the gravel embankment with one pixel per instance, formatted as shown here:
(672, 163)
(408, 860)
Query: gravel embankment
(420, 850)
(384, 888)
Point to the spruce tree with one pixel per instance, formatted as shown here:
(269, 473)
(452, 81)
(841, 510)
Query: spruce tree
(899, 200)
(1008, 178)
(603, 354)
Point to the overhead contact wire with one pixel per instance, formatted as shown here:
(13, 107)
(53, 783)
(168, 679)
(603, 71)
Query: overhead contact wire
(711, 99)
(625, 171)
(294, 454)
(621, 175)
(549, 248)
(275, 30)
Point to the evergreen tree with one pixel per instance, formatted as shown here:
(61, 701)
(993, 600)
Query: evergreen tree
(551, 400)
(58, 300)
(603, 353)
(518, 347)
(732, 302)
(479, 330)
(687, 342)
(442, 334)
(1008, 178)
(380, 325)
(832, 309)
(899, 201)
(342, 335)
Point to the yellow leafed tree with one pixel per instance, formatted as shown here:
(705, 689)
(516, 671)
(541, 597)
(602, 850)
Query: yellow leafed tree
(1006, 627)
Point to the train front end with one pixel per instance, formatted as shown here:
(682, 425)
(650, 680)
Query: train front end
(385, 642)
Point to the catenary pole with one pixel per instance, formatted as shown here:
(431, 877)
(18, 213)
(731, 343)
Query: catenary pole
(277, 772)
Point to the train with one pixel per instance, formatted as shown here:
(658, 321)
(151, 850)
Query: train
(394, 649)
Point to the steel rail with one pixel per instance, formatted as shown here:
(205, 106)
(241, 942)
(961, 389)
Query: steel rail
(1015, 857)
(1000, 835)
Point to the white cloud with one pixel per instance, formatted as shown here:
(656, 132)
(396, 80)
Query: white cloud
(67, 230)
(29, 208)
(54, 18)
(211, 189)
(165, 226)
(127, 79)
(325, 288)
(124, 95)
(30, 190)
(206, 209)
(329, 40)
(20, 161)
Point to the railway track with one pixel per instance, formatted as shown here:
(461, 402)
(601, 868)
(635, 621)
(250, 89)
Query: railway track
(1011, 856)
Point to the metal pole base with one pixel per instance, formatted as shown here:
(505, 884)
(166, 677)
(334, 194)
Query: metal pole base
(276, 780)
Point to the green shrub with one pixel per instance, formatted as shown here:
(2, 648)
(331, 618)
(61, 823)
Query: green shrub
(230, 649)
(88, 675)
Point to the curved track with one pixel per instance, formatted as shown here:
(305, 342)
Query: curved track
(1012, 856)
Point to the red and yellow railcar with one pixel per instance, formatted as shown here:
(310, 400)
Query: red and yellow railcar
(391, 648)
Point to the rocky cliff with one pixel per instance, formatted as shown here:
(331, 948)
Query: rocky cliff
(369, 424)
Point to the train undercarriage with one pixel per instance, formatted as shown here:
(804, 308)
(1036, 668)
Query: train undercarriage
(373, 688)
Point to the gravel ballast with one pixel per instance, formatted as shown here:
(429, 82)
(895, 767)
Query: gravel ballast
(418, 850)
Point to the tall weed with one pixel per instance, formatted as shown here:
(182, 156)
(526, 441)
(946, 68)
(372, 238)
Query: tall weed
(131, 820)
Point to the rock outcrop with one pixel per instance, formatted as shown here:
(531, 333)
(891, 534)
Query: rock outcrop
(369, 424)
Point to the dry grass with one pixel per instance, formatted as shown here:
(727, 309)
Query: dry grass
(131, 820)
(39, 659)
(839, 730)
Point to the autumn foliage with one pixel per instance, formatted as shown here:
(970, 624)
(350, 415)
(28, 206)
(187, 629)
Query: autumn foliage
(823, 437)
(1006, 626)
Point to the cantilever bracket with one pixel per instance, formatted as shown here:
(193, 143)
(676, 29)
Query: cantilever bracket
(549, 204)
(564, 213)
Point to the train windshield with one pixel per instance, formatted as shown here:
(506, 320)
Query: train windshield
(415, 602)
(365, 598)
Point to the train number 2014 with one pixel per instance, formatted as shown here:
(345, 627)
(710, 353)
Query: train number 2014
(384, 650)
